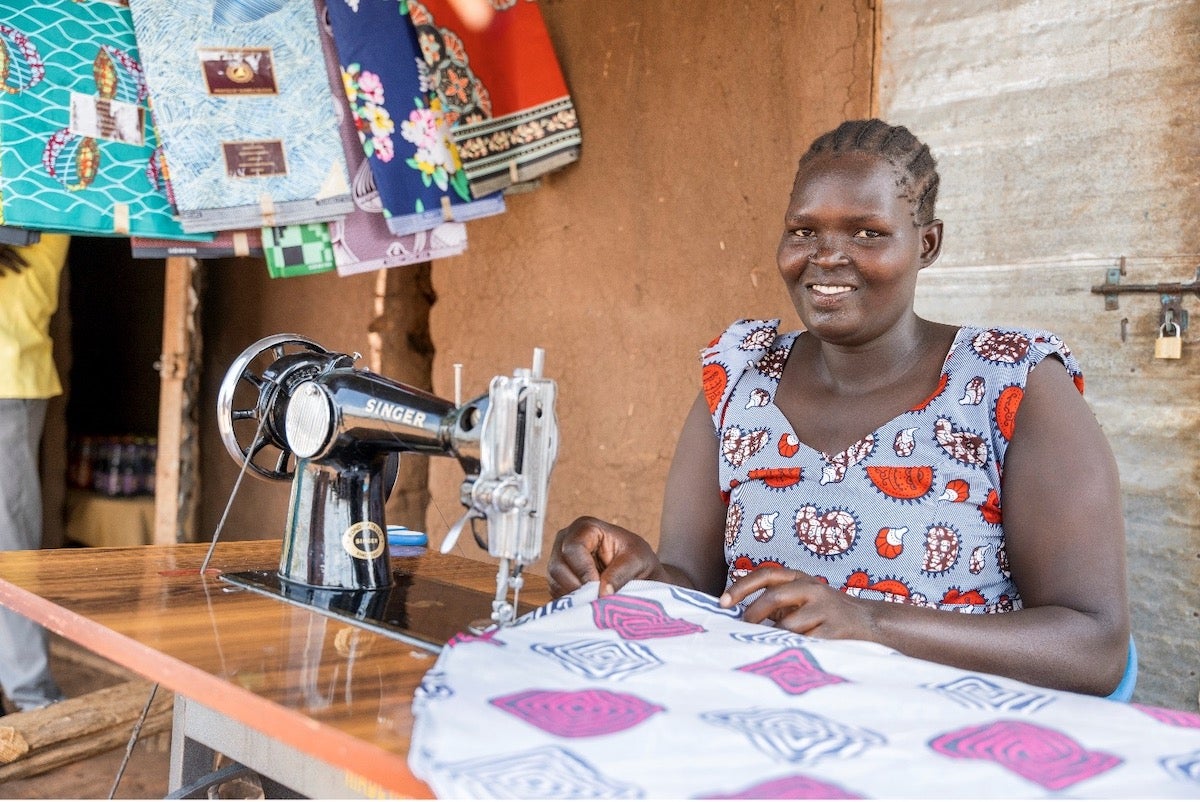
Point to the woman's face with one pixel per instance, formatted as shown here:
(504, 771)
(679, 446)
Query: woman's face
(851, 248)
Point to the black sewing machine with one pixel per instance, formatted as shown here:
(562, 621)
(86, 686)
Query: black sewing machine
(290, 410)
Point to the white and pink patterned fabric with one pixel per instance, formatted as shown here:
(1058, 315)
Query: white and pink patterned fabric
(658, 692)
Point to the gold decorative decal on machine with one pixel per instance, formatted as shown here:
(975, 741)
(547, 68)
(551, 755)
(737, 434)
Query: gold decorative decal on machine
(364, 540)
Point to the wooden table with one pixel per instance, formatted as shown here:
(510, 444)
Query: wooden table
(314, 702)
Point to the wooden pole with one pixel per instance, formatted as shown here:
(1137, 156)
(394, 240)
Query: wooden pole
(35, 741)
(401, 349)
(174, 496)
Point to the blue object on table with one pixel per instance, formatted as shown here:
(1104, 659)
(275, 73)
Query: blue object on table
(403, 536)
(1124, 691)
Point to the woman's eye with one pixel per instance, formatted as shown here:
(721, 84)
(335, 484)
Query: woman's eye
(802, 232)
(866, 233)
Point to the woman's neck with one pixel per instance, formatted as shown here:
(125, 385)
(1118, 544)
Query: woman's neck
(882, 363)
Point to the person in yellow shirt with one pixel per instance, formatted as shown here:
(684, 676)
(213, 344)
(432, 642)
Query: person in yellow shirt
(29, 280)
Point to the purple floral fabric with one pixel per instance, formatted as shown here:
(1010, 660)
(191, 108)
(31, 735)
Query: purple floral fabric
(362, 240)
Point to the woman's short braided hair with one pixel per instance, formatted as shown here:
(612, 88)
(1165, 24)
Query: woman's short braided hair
(895, 143)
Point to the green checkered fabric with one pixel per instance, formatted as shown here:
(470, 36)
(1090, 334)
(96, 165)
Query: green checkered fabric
(297, 250)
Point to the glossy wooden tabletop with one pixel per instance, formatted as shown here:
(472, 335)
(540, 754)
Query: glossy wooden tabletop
(326, 686)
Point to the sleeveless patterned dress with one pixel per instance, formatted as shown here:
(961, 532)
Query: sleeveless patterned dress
(911, 513)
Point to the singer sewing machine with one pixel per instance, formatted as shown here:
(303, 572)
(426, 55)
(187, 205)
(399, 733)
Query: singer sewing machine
(290, 410)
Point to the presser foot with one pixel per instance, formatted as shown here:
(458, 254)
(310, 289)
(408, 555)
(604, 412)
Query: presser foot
(504, 612)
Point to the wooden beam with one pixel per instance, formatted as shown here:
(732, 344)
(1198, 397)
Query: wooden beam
(35, 741)
(81, 748)
(174, 501)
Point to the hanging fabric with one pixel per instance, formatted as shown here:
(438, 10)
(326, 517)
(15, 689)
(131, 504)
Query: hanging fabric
(297, 250)
(79, 152)
(410, 160)
(245, 112)
(224, 244)
(362, 240)
(356, 251)
(503, 90)
(18, 236)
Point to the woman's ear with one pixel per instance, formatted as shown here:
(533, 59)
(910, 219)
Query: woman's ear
(931, 242)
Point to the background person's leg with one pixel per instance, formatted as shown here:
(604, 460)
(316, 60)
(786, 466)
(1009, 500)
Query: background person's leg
(24, 654)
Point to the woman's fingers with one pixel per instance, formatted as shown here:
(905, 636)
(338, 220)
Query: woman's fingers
(591, 550)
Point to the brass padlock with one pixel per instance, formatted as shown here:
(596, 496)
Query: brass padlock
(1169, 344)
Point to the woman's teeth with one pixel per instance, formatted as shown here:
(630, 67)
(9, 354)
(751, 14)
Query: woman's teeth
(830, 289)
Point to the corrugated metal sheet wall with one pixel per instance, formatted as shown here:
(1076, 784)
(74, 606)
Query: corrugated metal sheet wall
(1067, 136)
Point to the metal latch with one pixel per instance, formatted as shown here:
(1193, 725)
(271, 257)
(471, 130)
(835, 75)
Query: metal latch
(1170, 295)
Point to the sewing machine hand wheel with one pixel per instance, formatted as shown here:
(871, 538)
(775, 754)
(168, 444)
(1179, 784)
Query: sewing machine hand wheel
(252, 400)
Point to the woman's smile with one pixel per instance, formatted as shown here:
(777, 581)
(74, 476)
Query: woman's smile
(828, 296)
(830, 289)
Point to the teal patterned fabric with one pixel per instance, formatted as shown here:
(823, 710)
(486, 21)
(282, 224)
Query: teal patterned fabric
(243, 105)
(78, 151)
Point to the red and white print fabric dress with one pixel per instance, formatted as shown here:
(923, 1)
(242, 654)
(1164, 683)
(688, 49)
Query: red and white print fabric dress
(911, 513)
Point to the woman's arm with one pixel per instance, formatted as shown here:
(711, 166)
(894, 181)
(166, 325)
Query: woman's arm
(692, 530)
(692, 527)
(1065, 529)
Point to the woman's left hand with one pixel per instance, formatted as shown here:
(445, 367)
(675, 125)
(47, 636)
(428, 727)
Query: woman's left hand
(801, 603)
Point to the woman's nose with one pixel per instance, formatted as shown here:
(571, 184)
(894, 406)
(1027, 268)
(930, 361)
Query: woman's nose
(828, 252)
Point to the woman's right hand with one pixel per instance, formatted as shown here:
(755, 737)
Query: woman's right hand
(590, 550)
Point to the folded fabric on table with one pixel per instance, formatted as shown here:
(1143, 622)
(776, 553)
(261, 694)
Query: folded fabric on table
(658, 692)
(18, 236)
(362, 240)
(503, 90)
(244, 110)
(224, 244)
(79, 152)
(410, 159)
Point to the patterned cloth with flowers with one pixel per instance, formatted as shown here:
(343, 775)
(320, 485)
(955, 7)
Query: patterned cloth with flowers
(362, 240)
(657, 692)
(502, 89)
(413, 164)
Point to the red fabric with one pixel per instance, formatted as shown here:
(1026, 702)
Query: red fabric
(513, 57)
(501, 89)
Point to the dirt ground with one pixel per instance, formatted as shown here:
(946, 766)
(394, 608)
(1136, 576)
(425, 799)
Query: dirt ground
(145, 775)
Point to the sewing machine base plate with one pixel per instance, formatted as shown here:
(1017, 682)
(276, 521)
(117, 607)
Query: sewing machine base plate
(418, 610)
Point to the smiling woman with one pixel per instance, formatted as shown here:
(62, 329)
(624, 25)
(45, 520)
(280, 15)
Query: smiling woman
(878, 474)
